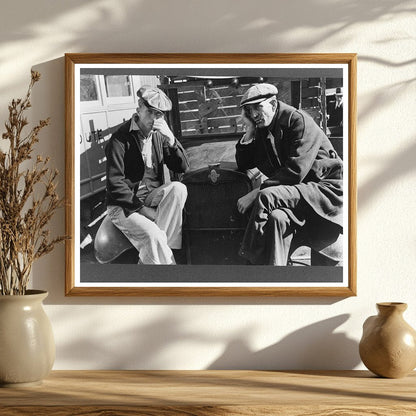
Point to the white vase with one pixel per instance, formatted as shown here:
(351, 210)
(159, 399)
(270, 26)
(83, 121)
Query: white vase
(27, 346)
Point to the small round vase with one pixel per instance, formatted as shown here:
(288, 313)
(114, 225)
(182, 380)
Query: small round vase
(388, 345)
(27, 347)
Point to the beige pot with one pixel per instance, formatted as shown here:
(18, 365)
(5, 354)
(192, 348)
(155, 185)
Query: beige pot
(388, 345)
(27, 347)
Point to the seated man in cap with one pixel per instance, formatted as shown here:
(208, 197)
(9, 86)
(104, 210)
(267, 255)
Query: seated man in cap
(304, 185)
(140, 204)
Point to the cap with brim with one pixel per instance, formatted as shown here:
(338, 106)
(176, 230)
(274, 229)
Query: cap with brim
(155, 98)
(338, 91)
(258, 93)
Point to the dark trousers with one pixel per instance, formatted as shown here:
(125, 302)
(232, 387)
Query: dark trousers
(276, 215)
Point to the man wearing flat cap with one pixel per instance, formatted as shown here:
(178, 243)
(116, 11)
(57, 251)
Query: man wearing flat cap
(140, 204)
(303, 189)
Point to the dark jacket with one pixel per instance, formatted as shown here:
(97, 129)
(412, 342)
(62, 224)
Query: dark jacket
(305, 158)
(125, 166)
(335, 114)
(335, 120)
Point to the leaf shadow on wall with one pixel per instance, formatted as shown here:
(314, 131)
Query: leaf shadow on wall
(394, 167)
(397, 166)
(101, 19)
(152, 345)
(316, 346)
(123, 27)
(144, 344)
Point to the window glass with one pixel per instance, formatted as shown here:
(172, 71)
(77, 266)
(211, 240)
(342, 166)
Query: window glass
(88, 85)
(118, 85)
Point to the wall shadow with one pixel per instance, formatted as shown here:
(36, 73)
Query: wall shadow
(249, 22)
(397, 166)
(314, 347)
(143, 345)
(101, 26)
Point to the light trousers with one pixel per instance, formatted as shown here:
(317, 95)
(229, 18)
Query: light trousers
(155, 239)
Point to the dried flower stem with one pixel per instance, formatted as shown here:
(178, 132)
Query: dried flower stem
(23, 217)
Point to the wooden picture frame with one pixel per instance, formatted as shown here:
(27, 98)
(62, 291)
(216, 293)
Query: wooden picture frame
(109, 81)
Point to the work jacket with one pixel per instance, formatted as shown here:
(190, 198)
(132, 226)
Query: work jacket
(125, 166)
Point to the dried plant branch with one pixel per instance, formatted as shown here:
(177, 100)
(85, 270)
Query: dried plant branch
(24, 217)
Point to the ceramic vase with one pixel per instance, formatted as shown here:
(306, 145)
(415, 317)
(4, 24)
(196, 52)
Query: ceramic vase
(27, 347)
(388, 345)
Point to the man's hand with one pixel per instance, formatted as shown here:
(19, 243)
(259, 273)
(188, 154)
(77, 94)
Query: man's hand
(161, 126)
(148, 212)
(249, 126)
(246, 201)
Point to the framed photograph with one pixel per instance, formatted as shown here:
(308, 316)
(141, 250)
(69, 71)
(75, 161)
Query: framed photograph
(211, 174)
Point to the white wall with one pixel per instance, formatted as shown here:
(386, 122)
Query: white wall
(200, 333)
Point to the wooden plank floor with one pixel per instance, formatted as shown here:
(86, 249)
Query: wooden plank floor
(203, 393)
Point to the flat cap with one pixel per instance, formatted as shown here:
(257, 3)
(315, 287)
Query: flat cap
(258, 93)
(155, 98)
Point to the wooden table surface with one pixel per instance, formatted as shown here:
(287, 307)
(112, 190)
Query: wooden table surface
(203, 393)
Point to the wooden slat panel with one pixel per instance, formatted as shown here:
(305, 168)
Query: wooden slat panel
(236, 98)
(184, 94)
(191, 110)
(189, 115)
(226, 112)
(216, 123)
(189, 105)
(197, 117)
(227, 105)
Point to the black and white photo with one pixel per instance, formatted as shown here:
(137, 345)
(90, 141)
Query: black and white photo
(217, 175)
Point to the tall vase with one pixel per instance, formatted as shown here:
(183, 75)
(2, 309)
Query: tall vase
(388, 345)
(27, 347)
